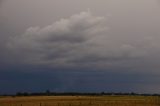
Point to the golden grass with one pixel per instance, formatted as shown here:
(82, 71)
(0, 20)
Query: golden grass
(81, 101)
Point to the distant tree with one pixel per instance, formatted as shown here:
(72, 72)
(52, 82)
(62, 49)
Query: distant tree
(22, 94)
(48, 92)
(102, 93)
(132, 93)
(25, 94)
(18, 94)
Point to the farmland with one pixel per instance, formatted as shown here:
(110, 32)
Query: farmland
(81, 101)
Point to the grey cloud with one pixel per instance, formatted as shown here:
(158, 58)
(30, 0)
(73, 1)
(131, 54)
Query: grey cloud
(80, 40)
(58, 41)
(158, 1)
(1, 2)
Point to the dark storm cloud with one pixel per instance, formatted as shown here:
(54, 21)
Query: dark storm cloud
(80, 40)
(58, 43)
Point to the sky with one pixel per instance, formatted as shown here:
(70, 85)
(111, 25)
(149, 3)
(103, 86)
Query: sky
(80, 46)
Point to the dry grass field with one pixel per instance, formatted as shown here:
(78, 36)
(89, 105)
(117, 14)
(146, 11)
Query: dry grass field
(81, 101)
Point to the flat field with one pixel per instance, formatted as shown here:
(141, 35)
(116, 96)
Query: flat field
(80, 101)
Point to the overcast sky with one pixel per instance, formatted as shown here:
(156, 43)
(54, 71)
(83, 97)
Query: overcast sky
(80, 45)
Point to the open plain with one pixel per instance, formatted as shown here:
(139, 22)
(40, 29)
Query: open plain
(81, 101)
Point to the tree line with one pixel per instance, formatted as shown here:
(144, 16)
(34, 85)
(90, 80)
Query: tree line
(49, 93)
